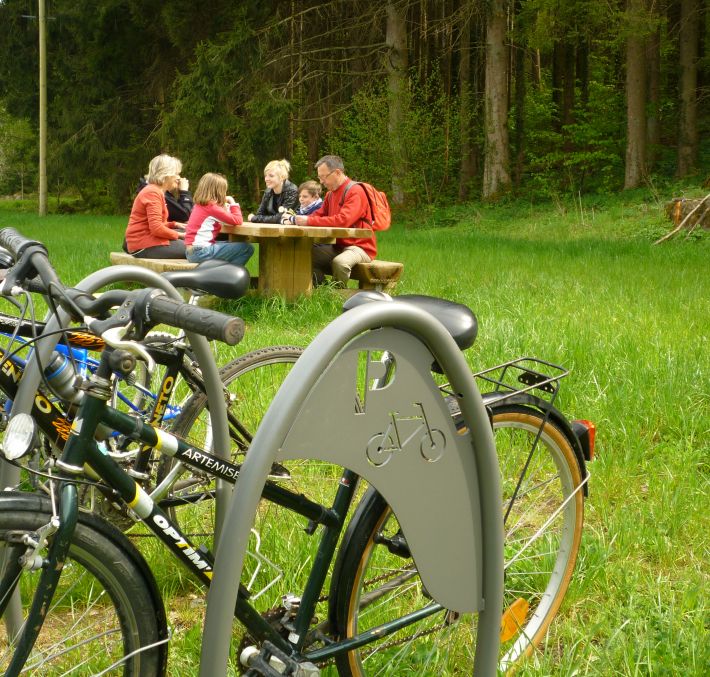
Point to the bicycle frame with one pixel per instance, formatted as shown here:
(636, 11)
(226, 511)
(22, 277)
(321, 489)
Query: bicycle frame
(81, 449)
(52, 419)
(77, 350)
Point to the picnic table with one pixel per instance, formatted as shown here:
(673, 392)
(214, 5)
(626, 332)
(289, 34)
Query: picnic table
(285, 253)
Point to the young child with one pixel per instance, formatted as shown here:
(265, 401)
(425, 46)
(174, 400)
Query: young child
(213, 207)
(309, 199)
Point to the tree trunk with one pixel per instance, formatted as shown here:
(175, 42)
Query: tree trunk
(557, 83)
(569, 84)
(688, 117)
(653, 127)
(583, 70)
(635, 97)
(496, 176)
(537, 69)
(520, 91)
(396, 64)
(468, 166)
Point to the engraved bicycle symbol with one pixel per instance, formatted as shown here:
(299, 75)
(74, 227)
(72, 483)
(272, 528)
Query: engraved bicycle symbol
(382, 446)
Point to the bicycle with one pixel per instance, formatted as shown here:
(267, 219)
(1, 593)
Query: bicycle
(542, 458)
(263, 369)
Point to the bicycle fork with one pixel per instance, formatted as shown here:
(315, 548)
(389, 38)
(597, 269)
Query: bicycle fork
(49, 579)
(65, 519)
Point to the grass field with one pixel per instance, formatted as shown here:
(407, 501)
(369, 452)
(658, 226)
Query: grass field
(582, 285)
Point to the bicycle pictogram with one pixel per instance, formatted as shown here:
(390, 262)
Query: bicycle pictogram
(382, 446)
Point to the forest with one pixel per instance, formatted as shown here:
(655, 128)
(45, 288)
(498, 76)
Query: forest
(434, 101)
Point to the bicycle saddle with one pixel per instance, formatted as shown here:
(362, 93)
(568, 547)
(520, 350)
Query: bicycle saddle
(226, 280)
(458, 319)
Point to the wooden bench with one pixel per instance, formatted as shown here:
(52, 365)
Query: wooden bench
(158, 265)
(377, 275)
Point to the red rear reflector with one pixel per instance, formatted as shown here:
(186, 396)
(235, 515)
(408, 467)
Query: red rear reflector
(591, 435)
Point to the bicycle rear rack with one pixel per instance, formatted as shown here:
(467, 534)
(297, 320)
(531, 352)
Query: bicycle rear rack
(517, 376)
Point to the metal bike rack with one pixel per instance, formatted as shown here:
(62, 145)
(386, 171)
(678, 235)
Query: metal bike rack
(432, 476)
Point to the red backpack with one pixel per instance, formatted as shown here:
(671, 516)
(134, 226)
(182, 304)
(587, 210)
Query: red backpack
(379, 207)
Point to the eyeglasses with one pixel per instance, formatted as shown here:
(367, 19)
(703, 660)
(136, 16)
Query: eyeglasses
(323, 178)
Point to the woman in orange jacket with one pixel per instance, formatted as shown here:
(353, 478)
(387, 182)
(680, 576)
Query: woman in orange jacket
(149, 234)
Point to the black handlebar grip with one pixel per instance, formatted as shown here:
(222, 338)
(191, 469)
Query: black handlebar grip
(209, 323)
(16, 243)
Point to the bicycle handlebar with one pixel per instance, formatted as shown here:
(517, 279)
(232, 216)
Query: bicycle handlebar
(16, 243)
(213, 325)
(145, 307)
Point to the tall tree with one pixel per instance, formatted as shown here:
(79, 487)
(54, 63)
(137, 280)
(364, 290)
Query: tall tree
(519, 58)
(496, 173)
(396, 65)
(467, 168)
(635, 169)
(688, 114)
(653, 60)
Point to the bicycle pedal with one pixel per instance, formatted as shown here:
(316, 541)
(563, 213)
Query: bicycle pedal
(279, 472)
(272, 662)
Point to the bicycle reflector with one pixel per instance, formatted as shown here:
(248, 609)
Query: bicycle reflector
(20, 437)
(586, 433)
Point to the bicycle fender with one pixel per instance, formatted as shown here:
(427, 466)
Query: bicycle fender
(492, 400)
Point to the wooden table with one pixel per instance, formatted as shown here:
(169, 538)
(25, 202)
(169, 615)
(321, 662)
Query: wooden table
(285, 253)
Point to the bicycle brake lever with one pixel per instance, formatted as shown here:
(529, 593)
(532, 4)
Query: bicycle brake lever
(114, 338)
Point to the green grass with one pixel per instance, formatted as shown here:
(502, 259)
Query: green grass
(581, 285)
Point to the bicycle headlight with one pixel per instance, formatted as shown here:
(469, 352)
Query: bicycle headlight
(20, 436)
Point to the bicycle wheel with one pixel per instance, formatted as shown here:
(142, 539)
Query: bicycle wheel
(250, 383)
(377, 581)
(280, 536)
(543, 524)
(106, 615)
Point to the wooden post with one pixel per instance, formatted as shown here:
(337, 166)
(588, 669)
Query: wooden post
(42, 18)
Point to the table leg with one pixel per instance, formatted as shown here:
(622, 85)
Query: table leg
(285, 266)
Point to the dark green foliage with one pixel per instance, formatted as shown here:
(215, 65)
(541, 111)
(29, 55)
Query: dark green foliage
(229, 86)
(584, 157)
(18, 155)
(430, 128)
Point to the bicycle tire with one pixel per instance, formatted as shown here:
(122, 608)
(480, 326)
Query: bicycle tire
(280, 537)
(107, 603)
(250, 383)
(367, 560)
(553, 480)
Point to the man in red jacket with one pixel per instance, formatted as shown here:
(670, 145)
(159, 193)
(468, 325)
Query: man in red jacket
(352, 211)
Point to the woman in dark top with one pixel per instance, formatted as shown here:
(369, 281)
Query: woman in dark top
(280, 192)
(180, 207)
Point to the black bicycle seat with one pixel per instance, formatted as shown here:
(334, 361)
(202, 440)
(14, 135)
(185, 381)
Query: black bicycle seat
(226, 280)
(458, 319)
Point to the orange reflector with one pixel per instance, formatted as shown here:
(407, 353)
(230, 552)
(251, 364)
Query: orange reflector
(592, 433)
(513, 619)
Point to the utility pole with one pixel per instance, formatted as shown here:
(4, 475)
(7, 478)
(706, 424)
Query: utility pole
(42, 17)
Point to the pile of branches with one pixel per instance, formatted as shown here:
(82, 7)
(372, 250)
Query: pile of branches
(688, 214)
